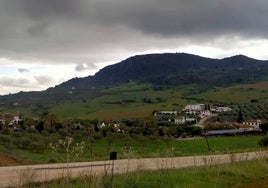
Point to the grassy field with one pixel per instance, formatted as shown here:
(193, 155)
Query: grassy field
(134, 100)
(140, 147)
(121, 103)
(236, 94)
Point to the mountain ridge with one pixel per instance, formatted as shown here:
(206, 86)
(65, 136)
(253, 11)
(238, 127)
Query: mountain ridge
(168, 69)
(136, 68)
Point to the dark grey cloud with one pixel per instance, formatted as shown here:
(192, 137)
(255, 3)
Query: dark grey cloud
(43, 80)
(191, 17)
(22, 71)
(74, 31)
(84, 66)
(15, 82)
(153, 16)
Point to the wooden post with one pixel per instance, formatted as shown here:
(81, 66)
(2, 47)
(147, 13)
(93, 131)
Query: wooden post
(206, 137)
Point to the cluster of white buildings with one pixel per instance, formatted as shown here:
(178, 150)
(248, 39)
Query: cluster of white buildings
(9, 120)
(193, 110)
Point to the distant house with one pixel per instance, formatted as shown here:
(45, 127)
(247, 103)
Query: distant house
(253, 123)
(102, 125)
(183, 120)
(179, 120)
(10, 121)
(220, 109)
(194, 108)
(205, 113)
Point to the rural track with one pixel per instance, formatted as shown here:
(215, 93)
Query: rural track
(19, 175)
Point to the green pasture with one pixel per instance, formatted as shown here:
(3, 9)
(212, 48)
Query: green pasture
(122, 104)
(236, 94)
(141, 147)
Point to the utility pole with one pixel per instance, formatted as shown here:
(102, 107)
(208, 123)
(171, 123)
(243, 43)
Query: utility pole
(206, 137)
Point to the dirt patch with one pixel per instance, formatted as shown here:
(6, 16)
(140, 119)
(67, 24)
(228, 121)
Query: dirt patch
(7, 160)
(263, 183)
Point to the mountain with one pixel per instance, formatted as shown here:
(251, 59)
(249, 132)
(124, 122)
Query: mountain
(170, 69)
(175, 69)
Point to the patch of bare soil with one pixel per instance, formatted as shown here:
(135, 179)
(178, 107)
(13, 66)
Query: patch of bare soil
(7, 160)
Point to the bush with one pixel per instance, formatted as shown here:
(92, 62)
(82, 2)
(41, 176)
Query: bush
(23, 143)
(6, 140)
(264, 141)
(38, 147)
(52, 160)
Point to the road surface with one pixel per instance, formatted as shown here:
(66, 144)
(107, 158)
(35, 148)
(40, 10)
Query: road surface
(202, 121)
(18, 175)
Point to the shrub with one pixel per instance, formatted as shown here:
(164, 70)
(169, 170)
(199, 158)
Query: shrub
(264, 141)
(38, 147)
(52, 160)
(7, 141)
(23, 143)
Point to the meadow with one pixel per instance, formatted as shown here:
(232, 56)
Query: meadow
(139, 100)
(133, 147)
(236, 94)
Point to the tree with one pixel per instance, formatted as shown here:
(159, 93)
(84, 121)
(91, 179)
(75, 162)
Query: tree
(49, 119)
(240, 117)
(40, 126)
(27, 122)
(1, 125)
(264, 127)
(264, 141)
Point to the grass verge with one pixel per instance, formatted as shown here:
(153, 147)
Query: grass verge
(239, 174)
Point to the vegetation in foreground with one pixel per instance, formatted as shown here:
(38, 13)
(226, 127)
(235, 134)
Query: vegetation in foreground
(36, 148)
(238, 174)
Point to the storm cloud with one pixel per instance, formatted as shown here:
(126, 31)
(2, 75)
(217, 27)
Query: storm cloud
(84, 66)
(22, 71)
(98, 31)
(52, 29)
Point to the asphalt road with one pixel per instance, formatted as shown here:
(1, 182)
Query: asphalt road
(18, 175)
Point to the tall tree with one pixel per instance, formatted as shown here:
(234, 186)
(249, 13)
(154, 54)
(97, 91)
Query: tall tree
(240, 117)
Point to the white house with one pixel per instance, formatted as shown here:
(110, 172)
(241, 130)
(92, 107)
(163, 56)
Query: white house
(253, 123)
(193, 108)
(205, 113)
(183, 120)
(220, 109)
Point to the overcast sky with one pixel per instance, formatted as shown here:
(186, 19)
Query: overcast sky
(46, 42)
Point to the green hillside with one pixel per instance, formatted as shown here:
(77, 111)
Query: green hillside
(236, 94)
(140, 84)
(128, 100)
(139, 100)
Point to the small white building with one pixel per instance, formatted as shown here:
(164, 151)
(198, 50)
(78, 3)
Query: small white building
(253, 123)
(205, 113)
(183, 120)
(192, 108)
(220, 109)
